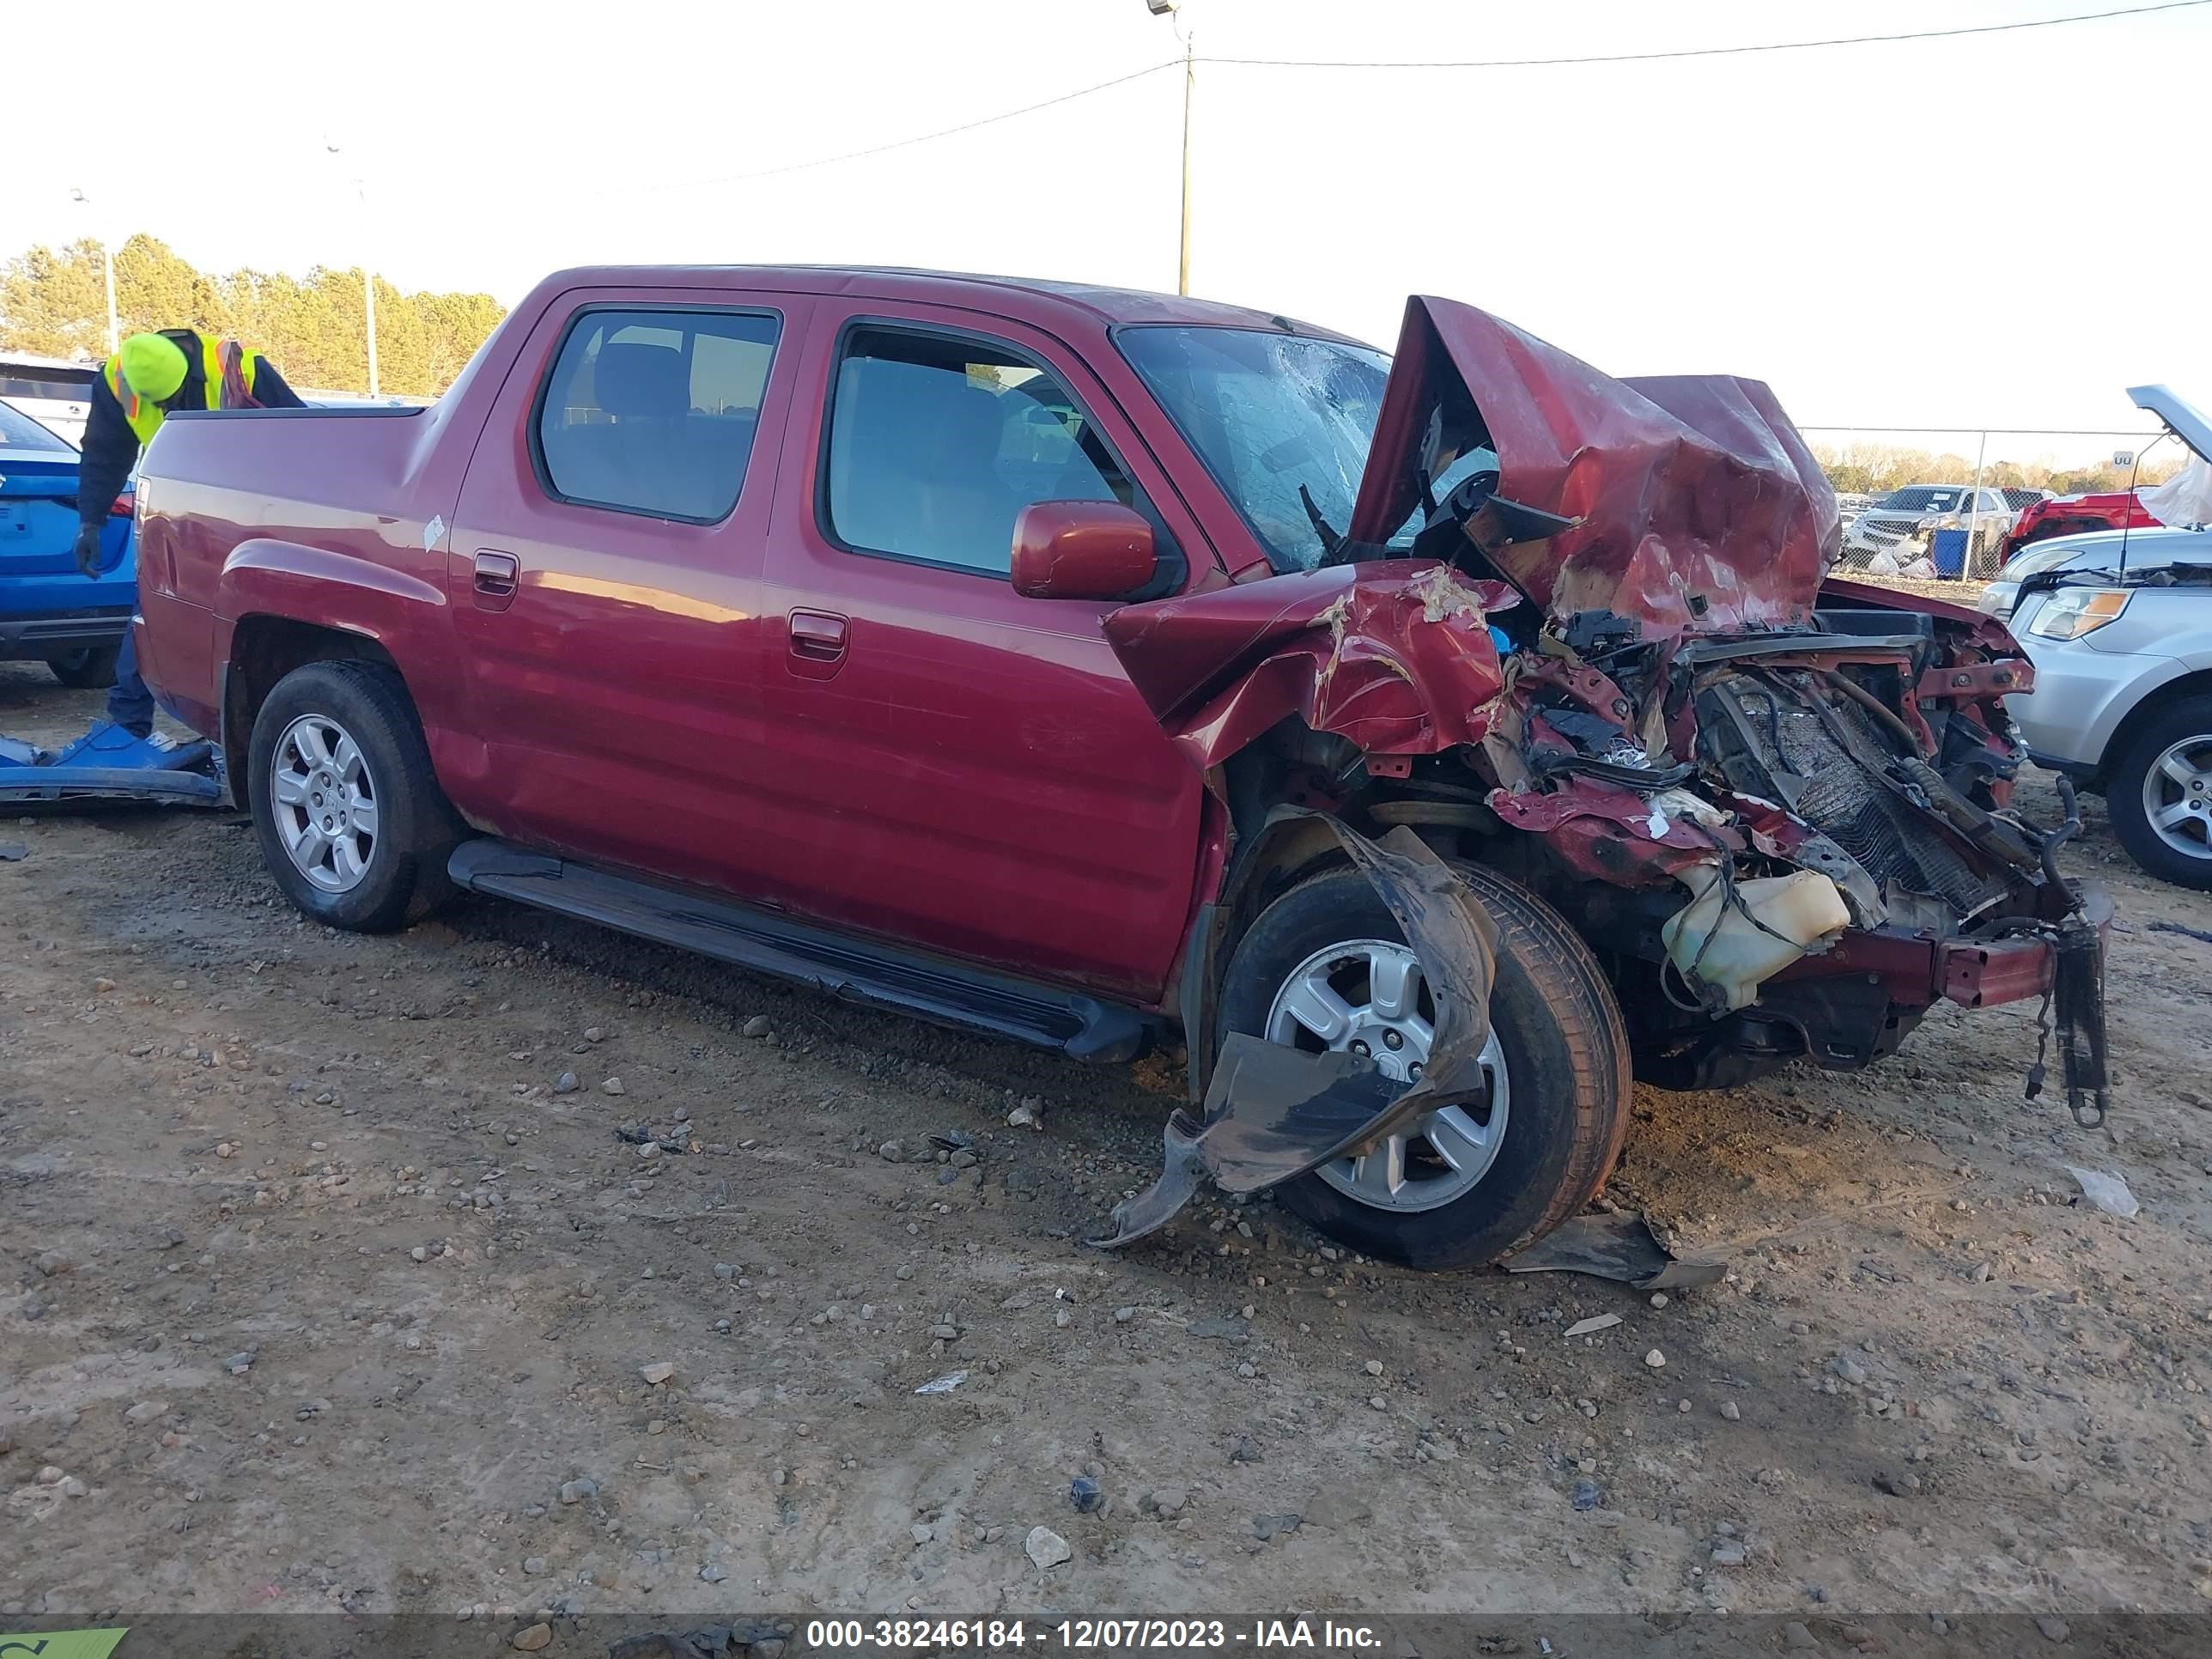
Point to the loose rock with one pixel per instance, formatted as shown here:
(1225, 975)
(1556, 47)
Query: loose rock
(1336, 1508)
(1047, 1548)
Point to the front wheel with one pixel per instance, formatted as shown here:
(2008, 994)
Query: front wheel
(2158, 790)
(351, 821)
(1327, 967)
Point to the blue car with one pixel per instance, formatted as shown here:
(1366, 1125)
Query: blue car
(49, 611)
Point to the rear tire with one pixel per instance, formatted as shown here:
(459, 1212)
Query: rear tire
(1565, 1060)
(351, 821)
(88, 668)
(2179, 735)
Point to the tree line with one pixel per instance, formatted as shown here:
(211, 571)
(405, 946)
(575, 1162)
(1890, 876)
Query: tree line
(53, 304)
(1872, 468)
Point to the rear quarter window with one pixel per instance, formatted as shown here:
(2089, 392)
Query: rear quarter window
(654, 411)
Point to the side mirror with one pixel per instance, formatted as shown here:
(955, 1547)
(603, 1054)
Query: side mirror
(1081, 551)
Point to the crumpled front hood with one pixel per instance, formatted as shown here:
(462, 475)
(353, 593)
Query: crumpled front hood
(1697, 506)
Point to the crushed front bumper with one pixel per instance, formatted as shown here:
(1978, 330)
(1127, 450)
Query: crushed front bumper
(1918, 971)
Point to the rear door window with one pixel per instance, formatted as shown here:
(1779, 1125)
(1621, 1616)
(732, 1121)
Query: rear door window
(938, 442)
(654, 411)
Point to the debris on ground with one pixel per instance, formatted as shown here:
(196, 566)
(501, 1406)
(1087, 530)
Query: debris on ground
(2107, 1189)
(944, 1384)
(1619, 1246)
(1591, 1326)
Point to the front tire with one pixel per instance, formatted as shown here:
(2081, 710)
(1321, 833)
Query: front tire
(351, 821)
(2158, 790)
(1559, 1057)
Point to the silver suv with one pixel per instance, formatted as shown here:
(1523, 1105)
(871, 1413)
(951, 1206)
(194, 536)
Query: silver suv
(2119, 627)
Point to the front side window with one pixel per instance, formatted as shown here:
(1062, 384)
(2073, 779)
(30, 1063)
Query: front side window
(653, 411)
(937, 443)
(1267, 413)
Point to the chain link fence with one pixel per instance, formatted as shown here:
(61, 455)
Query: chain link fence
(1940, 504)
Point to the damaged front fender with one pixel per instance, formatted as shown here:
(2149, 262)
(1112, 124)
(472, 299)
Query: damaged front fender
(1396, 656)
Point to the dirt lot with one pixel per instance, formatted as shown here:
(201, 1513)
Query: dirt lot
(320, 1289)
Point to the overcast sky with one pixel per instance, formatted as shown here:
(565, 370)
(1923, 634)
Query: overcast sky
(2004, 229)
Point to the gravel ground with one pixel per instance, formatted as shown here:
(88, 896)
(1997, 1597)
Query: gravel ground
(336, 1276)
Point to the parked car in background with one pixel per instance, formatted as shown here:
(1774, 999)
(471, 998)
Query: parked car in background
(2072, 515)
(2119, 627)
(1902, 523)
(1848, 505)
(2019, 499)
(1033, 658)
(52, 391)
(49, 612)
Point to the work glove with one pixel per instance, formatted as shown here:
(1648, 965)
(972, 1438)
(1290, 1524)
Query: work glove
(88, 548)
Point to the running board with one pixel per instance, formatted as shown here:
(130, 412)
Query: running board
(929, 987)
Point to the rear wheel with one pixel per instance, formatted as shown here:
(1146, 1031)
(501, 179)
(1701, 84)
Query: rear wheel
(2159, 790)
(88, 668)
(1327, 967)
(351, 821)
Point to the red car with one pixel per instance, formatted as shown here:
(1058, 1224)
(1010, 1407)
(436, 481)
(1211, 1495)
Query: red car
(1088, 667)
(2069, 516)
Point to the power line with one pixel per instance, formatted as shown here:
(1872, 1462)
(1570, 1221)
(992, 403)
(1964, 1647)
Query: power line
(1470, 63)
(924, 137)
(1709, 52)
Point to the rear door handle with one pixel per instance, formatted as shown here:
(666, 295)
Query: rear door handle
(818, 637)
(497, 575)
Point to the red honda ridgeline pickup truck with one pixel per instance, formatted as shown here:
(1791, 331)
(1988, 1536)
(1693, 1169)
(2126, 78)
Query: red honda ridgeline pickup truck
(1000, 651)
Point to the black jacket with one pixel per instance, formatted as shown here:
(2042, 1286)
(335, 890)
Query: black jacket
(111, 447)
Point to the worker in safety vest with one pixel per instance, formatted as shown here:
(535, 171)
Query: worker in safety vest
(152, 376)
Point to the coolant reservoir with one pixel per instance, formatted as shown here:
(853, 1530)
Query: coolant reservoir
(1804, 909)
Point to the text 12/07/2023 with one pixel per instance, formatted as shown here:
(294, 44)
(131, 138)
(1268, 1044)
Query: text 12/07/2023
(1103, 1636)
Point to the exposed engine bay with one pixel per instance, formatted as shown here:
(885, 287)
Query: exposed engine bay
(1579, 625)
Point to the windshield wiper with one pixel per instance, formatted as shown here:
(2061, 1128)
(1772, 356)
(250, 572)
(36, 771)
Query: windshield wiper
(2156, 576)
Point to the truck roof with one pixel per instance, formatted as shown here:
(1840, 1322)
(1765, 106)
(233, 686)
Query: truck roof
(1035, 300)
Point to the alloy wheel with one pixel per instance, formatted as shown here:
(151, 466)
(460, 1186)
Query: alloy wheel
(1369, 997)
(2177, 796)
(324, 803)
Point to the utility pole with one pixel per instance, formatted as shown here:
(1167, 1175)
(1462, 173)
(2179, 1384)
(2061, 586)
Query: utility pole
(1171, 9)
(107, 276)
(367, 276)
(1182, 242)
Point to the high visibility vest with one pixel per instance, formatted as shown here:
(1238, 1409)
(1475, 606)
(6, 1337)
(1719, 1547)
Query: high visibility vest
(228, 376)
